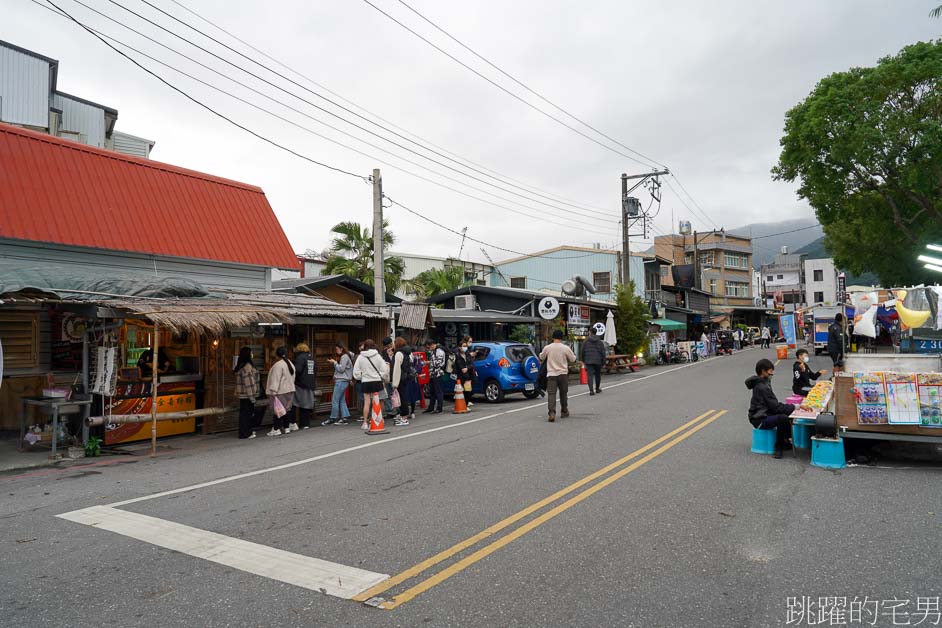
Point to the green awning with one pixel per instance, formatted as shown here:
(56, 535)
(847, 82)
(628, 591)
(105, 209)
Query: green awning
(667, 325)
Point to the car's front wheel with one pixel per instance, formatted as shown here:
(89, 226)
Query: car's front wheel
(493, 392)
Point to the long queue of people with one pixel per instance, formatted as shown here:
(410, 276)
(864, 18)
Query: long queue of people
(391, 372)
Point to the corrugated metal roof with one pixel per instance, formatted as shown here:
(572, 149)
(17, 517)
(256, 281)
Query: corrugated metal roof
(414, 316)
(54, 190)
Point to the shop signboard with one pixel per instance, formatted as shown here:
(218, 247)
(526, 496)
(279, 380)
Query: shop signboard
(577, 331)
(578, 314)
(548, 308)
(131, 399)
(787, 327)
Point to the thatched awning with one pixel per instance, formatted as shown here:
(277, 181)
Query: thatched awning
(209, 316)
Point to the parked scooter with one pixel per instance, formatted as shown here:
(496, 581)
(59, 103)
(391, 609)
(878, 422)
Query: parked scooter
(669, 354)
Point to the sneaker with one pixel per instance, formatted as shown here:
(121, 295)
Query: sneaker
(564, 414)
(275, 432)
(364, 426)
(252, 436)
(342, 422)
(293, 427)
(438, 412)
(551, 418)
(412, 417)
(591, 393)
(401, 422)
(470, 404)
(329, 422)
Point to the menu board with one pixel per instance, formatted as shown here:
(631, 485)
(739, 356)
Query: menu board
(870, 394)
(902, 398)
(930, 399)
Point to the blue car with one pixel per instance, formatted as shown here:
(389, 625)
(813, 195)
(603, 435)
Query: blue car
(505, 368)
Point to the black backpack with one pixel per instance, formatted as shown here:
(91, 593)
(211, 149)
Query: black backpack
(407, 368)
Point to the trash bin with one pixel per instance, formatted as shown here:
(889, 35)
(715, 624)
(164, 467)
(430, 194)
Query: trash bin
(781, 352)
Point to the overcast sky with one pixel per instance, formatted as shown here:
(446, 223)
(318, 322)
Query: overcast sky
(699, 86)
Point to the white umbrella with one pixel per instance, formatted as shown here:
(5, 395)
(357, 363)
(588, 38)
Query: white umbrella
(611, 338)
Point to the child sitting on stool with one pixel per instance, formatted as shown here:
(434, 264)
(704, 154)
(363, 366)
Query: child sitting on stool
(802, 375)
(765, 410)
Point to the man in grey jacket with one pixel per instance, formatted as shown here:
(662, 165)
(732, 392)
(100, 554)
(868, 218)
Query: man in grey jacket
(593, 356)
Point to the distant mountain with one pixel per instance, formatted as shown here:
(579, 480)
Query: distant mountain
(768, 238)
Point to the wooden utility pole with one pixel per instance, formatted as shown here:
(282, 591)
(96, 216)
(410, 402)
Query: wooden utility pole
(379, 288)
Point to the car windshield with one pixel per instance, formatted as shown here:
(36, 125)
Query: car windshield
(518, 353)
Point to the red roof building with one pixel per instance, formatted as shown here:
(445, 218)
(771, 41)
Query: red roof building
(60, 192)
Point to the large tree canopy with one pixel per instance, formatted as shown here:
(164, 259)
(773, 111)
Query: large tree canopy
(436, 281)
(351, 254)
(866, 149)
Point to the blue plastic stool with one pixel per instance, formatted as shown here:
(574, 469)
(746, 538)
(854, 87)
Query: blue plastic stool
(763, 441)
(828, 453)
(801, 433)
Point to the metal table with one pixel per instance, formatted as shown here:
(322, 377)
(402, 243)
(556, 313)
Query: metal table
(52, 403)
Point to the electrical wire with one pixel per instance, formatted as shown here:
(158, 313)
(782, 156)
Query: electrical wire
(324, 110)
(332, 140)
(323, 87)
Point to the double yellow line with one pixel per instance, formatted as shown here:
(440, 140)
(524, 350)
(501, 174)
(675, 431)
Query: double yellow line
(659, 446)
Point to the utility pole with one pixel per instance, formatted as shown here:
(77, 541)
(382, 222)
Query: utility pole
(697, 281)
(630, 215)
(625, 251)
(379, 288)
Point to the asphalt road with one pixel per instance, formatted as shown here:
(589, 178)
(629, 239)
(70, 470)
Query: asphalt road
(692, 530)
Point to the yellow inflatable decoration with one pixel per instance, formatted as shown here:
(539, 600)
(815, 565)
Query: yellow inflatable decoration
(910, 318)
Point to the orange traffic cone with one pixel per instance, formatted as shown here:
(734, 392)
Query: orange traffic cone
(583, 376)
(377, 422)
(460, 406)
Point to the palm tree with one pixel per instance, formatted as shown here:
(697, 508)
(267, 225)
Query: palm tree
(936, 12)
(436, 281)
(351, 254)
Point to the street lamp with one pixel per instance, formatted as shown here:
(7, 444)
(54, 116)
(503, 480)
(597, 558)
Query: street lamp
(932, 263)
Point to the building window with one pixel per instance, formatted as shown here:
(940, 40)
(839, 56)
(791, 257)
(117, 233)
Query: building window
(819, 275)
(737, 289)
(707, 259)
(780, 276)
(518, 282)
(665, 272)
(602, 282)
(735, 260)
(770, 278)
(20, 333)
(818, 296)
(713, 286)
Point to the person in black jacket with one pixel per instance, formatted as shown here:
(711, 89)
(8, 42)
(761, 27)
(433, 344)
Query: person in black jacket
(305, 384)
(766, 412)
(802, 375)
(837, 343)
(593, 356)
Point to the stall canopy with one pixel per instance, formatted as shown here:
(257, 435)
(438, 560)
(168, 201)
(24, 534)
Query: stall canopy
(667, 324)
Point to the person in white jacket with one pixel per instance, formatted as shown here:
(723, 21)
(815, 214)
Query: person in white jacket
(372, 371)
(280, 386)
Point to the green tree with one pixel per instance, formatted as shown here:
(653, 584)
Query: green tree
(436, 281)
(521, 333)
(631, 319)
(351, 254)
(866, 149)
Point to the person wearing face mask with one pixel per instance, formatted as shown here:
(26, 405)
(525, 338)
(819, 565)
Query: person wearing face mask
(766, 412)
(802, 375)
(464, 368)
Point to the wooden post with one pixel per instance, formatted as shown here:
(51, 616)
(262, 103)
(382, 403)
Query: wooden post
(153, 388)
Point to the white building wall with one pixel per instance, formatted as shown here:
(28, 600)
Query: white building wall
(131, 145)
(82, 118)
(828, 283)
(24, 89)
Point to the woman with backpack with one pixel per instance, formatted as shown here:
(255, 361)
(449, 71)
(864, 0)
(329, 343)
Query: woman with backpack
(372, 372)
(343, 373)
(280, 389)
(402, 374)
(305, 384)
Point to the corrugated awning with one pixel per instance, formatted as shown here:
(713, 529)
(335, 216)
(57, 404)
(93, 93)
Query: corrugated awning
(414, 316)
(475, 316)
(667, 324)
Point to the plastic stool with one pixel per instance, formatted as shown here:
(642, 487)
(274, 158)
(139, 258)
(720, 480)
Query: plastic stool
(763, 441)
(801, 433)
(828, 453)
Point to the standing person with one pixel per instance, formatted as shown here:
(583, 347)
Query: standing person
(766, 412)
(593, 356)
(305, 385)
(280, 386)
(415, 388)
(706, 344)
(837, 343)
(464, 370)
(468, 341)
(737, 339)
(372, 372)
(246, 391)
(558, 357)
(436, 370)
(402, 375)
(343, 373)
(766, 337)
(389, 353)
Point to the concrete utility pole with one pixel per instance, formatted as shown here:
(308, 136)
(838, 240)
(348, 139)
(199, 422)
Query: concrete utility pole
(625, 251)
(630, 215)
(379, 287)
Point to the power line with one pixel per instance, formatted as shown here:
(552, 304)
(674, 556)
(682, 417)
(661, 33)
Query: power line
(507, 91)
(205, 106)
(526, 87)
(500, 175)
(334, 103)
(102, 37)
(295, 124)
(772, 235)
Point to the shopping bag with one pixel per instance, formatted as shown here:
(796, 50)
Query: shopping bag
(278, 408)
(394, 400)
(467, 386)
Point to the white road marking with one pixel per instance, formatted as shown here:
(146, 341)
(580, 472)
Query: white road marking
(375, 443)
(302, 571)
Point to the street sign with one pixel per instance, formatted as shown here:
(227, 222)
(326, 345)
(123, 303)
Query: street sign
(578, 314)
(548, 308)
